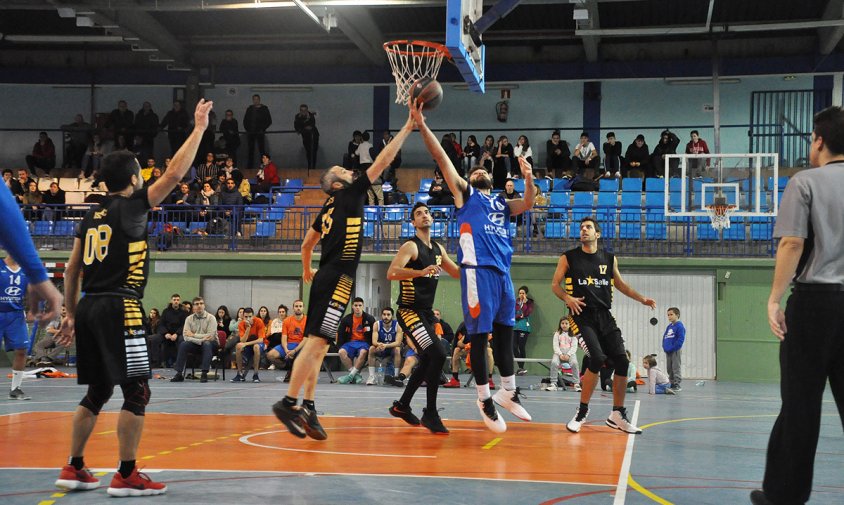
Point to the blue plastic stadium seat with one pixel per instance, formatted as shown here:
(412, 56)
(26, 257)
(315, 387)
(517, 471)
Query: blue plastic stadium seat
(736, 231)
(655, 228)
(438, 229)
(655, 200)
(761, 228)
(555, 228)
(559, 185)
(294, 184)
(393, 214)
(583, 200)
(285, 199)
(630, 222)
(631, 200)
(407, 230)
(196, 226)
(425, 185)
(42, 228)
(370, 213)
(675, 183)
(422, 197)
(264, 229)
(654, 184)
(368, 229)
(275, 214)
(631, 184)
(607, 200)
(64, 228)
(519, 185)
(610, 184)
(544, 184)
(181, 225)
(705, 231)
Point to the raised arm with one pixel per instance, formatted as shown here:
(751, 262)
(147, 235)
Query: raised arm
(183, 159)
(386, 156)
(520, 205)
(456, 184)
(628, 290)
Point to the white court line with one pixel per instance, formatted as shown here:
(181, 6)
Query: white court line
(621, 488)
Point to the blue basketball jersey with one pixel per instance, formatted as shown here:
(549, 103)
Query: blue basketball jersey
(13, 285)
(484, 224)
(387, 335)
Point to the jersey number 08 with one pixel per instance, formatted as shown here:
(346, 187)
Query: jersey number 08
(96, 244)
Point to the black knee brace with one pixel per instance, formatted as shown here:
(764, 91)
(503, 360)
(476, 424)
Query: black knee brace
(135, 396)
(621, 363)
(96, 397)
(502, 349)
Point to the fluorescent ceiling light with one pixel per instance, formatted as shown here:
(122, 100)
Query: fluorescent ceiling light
(84, 21)
(66, 12)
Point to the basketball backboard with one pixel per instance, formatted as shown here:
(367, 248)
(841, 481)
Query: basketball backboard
(464, 42)
(747, 183)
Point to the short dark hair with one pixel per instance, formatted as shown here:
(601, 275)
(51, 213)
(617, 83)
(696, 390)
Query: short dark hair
(253, 96)
(610, 134)
(524, 288)
(584, 134)
(474, 169)
(303, 105)
(387, 308)
(694, 132)
(357, 299)
(267, 155)
(7, 171)
(674, 310)
(175, 295)
(594, 223)
(248, 309)
(117, 169)
(829, 125)
(198, 299)
(416, 206)
(283, 306)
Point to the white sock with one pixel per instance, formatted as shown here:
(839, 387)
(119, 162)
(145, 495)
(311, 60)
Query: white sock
(353, 371)
(483, 392)
(372, 371)
(17, 379)
(509, 382)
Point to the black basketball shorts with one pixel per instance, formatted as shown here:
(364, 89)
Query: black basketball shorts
(330, 294)
(597, 333)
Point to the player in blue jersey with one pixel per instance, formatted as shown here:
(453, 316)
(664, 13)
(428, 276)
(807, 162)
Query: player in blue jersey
(13, 332)
(12, 229)
(485, 254)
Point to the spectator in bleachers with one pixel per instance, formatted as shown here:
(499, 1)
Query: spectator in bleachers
(585, 155)
(696, 146)
(350, 159)
(43, 154)
(612, 156)
(243, 186)
(668, 143)
(156, 174)
(471, 153)
(121, 120)
(164, 344)
(21, 185)
(231, 133)
(387, 339)
(77, 134)
(292, 339)
(487, 153)
(522, 328)
(177, 123)
(523, 149)
(141, 151)
(264, 316)
(152, 326)
(275, 327)
(146, 126)
(267, 175)
(453, 137)
(229, 195)
(305, 125)
(46, 351)
(121, 143)
(233, 339)
(558, 156)
(447, 332)
(451, 152)
(32, 201)
(252, 343)
(364, 153)
(256, 121)
(146, 172)
(224, 320)
(13, 184)
(200, 335)
(55, 196)
(439, 192)
(91, 158)
(565, 356)
(206, 198)
(7, 178)
(504, 162)
(229, 168)
(637, 159)
(206, 170)
(182, 195)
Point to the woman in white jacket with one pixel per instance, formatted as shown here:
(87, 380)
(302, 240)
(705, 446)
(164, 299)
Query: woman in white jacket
(565, 351)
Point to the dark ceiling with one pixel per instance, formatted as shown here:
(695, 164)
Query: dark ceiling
(195, 34)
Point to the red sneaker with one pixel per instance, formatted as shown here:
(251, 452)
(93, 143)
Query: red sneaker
(452, 383)
(71, 479)
(491, 384)
(136, 484)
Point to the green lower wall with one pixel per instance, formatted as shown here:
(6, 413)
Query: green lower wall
(746, 350)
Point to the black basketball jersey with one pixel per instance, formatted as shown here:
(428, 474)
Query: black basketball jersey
(590, 276)
(419, 293)
(114, 245)
(340, 224)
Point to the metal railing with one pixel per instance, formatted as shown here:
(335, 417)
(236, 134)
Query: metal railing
(542, 231)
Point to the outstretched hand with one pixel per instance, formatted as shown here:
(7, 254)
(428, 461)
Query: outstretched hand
(525, 166)
(416, 116)
(200, 116)
(66, 333)
(650, 302)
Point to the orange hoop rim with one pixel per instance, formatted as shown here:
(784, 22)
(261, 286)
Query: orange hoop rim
(719, 209)
(437, 47)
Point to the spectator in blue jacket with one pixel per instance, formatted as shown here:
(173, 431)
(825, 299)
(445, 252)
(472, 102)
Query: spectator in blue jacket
(672, 343)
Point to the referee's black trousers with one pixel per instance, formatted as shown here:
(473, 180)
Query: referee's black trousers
(812, 352)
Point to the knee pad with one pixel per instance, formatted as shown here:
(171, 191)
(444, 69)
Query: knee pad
(135, 396)
(621, 363)
(96, 397)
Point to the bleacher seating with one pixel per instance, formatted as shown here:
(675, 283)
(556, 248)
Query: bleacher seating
(608, 185)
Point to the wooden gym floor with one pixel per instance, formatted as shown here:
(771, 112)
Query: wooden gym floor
(218, 443)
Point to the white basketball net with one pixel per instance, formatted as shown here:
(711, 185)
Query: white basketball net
(720, 215)
(412, 60)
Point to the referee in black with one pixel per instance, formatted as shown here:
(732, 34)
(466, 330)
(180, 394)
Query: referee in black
(810, 226)
(339, 228)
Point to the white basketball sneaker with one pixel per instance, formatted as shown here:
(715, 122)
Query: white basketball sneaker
(618, 420)
(577, 421)
(510, 401)
(490, 416)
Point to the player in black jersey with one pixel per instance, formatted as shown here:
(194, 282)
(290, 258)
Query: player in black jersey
(339, 226)
(110, 259)
(417, 266)
(590, 275)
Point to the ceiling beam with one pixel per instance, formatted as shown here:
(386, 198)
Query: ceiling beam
(696, 30)
(709, 11)
(590, 42)
(216, 5)
(828, 38)
(357, 24)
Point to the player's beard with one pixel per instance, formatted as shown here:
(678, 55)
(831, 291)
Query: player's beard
(481, 183)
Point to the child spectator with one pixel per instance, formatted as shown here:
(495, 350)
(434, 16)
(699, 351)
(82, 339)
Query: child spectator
(657, 380)
(565, 352)
(672, 343)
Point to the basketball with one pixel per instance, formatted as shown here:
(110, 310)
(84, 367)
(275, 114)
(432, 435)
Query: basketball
(427, 91)
(654, 321)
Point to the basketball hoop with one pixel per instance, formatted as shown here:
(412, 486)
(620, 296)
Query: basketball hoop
(719, 214)
(412, 60)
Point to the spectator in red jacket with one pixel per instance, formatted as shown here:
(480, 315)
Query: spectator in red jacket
(697, 146)
(267, 175)
(43, 154)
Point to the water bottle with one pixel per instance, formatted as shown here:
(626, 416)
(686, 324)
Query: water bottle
(379, 374)
(531, 387)
(700, 383)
